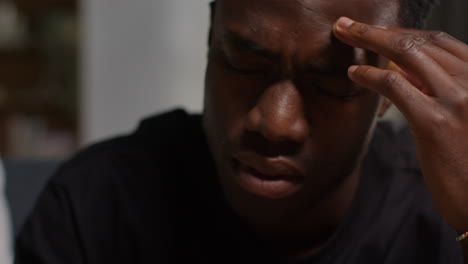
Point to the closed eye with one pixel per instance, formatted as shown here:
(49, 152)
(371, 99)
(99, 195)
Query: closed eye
(334, 87)
(244, 62)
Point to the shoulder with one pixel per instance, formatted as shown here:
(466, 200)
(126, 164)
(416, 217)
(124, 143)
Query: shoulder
(396, 168)
(111, 196)
(130, 164)
(394, 147)
(408, 217)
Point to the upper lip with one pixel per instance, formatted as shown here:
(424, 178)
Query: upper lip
(275, 166)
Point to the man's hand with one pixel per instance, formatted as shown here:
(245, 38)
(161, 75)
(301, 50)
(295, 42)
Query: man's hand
(430, 87)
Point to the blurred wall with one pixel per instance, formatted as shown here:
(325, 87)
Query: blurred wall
(451, 16)
(145, 56)
(140, 57)
(5, 225)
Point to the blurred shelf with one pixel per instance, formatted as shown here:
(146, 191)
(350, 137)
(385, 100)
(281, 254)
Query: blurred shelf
(38, 7)
(20, 69)
(37, 119)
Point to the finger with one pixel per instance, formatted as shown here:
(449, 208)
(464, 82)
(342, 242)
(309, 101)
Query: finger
(404, 49)
(392, 85)
(453, 65)
(413, 80)
(447, 51)
(442, 40)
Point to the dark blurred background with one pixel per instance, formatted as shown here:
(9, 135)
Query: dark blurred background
(38, 78)
(451, 16)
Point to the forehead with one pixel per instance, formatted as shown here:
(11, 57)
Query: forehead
(299, 28)
(304, 12)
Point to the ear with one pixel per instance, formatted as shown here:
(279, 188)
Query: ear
(212, 15)
(384, 106)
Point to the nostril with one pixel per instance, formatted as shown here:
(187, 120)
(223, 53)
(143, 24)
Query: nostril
(300, 130)
(286, 130)
(276, 126)
(253, 120)
(276, 131)
(258, 143)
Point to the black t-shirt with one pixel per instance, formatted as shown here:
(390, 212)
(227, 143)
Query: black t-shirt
(153, 197)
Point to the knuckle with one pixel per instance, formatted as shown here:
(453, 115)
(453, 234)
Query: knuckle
(461, 103)
(438, 36)
(409, 44)
(439, 120)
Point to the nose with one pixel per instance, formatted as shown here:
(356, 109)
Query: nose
(279, 114)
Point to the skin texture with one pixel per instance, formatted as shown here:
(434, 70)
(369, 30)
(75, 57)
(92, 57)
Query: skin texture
(287, 96)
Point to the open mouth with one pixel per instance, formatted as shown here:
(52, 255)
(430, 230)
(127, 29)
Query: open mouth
(268, 179)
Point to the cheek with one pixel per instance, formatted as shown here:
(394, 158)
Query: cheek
(345, 127)
(229, 98)
(338, 141)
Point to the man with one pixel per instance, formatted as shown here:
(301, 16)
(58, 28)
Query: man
(297, 171)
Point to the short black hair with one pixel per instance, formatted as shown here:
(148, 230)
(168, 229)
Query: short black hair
(413, 13)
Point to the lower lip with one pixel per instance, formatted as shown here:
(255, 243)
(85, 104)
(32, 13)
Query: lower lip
(272, 187)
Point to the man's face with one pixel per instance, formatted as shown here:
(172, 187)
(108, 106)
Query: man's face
(284, 123)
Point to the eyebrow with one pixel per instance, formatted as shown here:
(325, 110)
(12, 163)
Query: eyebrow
(244, 43)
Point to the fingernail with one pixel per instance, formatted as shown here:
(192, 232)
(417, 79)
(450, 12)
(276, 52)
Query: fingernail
(352, 69)
(344, 23)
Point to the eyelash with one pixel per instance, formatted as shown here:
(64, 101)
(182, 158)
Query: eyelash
(345, 98)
